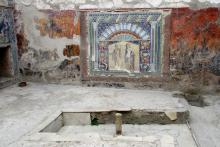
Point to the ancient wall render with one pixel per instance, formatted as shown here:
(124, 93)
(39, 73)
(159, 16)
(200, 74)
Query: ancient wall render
(195, 47)
(48, 34)
(48, 43)
(8, 48)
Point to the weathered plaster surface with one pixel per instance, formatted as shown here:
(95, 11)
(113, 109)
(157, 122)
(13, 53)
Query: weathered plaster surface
(44, 40)
(3, 3)
(9, 63)
(195, 52)
(34, 37)
(35, 28)
(88, 4)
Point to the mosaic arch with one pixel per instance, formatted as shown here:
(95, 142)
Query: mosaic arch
(125, 42)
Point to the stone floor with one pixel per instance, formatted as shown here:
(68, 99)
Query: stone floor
(23, 109)
(101, 135)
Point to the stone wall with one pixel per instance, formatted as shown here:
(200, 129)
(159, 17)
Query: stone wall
(48, 34)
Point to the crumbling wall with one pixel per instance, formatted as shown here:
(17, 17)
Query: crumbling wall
(195, 47)
(8, 42)
(48, 38)
(48, 42)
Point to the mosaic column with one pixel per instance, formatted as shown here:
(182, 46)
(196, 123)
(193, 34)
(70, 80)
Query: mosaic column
(153, 46)
(94, 53)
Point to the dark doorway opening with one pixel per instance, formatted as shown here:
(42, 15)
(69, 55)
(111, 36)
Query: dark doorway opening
(5, 64)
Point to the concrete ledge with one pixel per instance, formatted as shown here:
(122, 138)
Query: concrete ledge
(7, 82)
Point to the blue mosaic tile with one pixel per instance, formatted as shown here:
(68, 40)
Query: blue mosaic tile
(125, 42)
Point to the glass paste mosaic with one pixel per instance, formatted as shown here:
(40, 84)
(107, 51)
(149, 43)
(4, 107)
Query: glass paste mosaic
(125, 42)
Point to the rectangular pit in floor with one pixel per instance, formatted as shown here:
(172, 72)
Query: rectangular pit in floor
(92, 127)
(138, 117)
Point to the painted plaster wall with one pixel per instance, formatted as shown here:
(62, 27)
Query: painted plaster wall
(45, 55)
(44, 37)
(195, 48)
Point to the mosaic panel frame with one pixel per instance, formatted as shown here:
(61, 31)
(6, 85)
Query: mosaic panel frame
(138, 28)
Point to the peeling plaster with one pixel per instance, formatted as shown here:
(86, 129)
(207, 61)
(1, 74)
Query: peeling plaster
(32, 8)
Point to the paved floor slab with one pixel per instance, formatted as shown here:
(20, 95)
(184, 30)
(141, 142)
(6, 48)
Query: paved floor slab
(133, 135)
(23, 109)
